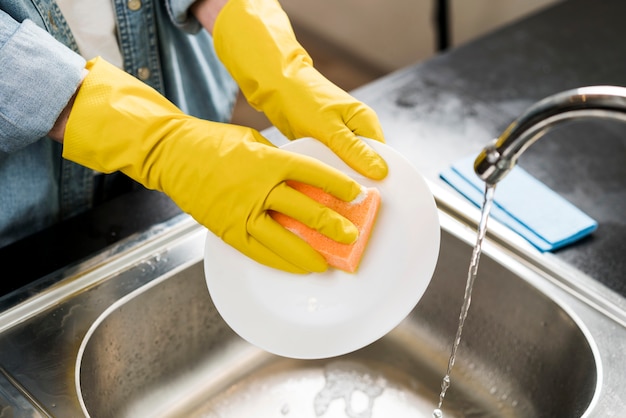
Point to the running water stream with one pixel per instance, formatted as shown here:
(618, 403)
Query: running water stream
(471, 277)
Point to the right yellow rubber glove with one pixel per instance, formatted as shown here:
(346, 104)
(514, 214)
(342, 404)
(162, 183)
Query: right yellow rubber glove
(255, 41)
(226, 176)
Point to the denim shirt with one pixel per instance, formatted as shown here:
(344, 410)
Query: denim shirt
(161, 44)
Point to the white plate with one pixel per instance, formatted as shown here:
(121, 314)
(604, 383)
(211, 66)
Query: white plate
(322, 315)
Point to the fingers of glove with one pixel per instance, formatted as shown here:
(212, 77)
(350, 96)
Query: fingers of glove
(259, 252)
(365, 123)
(282, 244)
(358, 155)
(313, 214)
(311, 171)
(258, 137)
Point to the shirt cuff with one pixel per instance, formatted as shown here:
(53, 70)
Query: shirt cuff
(39, 76)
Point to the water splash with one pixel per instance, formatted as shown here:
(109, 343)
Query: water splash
(355, 384)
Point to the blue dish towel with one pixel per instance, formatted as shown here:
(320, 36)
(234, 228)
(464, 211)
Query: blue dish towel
(525, 205)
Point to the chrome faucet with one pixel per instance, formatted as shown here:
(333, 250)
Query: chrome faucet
(498, 158)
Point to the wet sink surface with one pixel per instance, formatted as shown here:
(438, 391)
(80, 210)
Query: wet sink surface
(164, 351)
(138, 336)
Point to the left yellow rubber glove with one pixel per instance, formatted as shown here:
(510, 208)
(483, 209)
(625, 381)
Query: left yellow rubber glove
(227, 177)
(255, 41)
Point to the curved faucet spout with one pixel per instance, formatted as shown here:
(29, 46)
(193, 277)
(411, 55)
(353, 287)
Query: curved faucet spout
(498, 158)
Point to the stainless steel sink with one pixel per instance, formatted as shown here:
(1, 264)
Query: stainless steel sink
(138, 336)
(165, 348)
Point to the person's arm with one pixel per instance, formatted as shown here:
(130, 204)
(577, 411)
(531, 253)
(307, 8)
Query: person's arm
(216, 172)
(256, 43)
(58, 129)
(206, 12)
(38, 77)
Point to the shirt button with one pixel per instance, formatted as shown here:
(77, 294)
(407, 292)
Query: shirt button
(143, 73)
(134, 5)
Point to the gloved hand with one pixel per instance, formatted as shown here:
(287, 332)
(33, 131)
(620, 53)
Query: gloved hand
(227, 177)
(255, 41)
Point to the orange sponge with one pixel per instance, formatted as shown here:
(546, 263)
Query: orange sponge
(361, 212)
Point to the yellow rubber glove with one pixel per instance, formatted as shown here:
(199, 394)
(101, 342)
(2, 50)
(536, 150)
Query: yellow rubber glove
(226, 176)
(255, 41)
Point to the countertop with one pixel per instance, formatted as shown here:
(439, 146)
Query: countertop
(446, 108)
(438, 111)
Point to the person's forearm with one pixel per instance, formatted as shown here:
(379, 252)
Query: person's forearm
(58, 130)
(206, 12)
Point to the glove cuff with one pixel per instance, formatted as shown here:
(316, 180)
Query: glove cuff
(260, 57)
(115, 123)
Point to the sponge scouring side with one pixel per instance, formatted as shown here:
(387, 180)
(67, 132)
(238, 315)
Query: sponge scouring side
(362, 212)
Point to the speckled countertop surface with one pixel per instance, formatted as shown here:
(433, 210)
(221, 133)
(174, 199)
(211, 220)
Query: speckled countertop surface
(443, 109)
(448, 107)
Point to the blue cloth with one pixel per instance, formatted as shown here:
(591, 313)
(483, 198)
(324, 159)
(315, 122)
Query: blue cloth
(525, 205)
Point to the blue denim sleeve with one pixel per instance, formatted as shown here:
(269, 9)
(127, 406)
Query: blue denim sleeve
(181, 17)
(38, 76)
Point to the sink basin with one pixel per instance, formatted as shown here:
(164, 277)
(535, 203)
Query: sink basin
(164, 351)
(134, 333)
